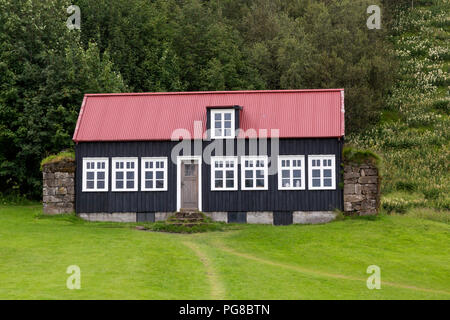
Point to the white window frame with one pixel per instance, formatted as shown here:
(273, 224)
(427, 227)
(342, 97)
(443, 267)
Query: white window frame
(125, 170)
(95, 170)
(144, 170)
(213, 123)
(331, 157)
(302, 168)
(223, 169)
(265, 172)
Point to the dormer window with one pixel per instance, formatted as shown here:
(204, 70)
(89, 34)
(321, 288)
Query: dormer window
(222, 123)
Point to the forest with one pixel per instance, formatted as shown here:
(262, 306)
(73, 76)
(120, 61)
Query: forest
(176, 45)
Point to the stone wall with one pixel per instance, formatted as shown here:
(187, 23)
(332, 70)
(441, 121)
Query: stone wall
(59, 187)
(361, 189)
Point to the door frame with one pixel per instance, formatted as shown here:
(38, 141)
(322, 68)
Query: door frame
(180, 159)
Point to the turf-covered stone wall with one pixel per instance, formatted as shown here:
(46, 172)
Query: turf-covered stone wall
(59, 186)
(361, 188)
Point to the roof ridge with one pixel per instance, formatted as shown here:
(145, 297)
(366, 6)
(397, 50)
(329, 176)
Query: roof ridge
(209, 92)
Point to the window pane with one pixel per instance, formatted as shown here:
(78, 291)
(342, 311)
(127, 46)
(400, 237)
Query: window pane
(324, 163)
(285, 173)
(88, 165)
(228, 124)
(189, 170)
(227, 133)
(128, 165)
(151, 165)
(218, 133)
(218, 175)
(283, 163)
(260, 182)
(99, 165)
(219, 183)
(101, 175)
(230, 184)
(130, 175)
(117, 165)
(285, 183)
(259, 174)
(329, 163)
(218, 116)
(248, 173)
(297, 183)
(161, 164)
(146, 164)
(148, 175)
(100, 184)
(159, 175)
(248, 183)
(149, 184)
(159, 184)
(119, 175)
(119, 184)
(130, 184)
(90, 184)
(89, 175)
(229, 174)
(157, 164)
(316, 173)
(327, 182)
(288, 163)
(297, 173)
(327, 173)
(218, 125)
(316, 182)
(227, 116)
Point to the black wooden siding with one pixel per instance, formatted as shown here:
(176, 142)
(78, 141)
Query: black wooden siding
(231, 201)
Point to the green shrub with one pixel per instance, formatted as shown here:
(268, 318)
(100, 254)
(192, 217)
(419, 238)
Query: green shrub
(442, 105)
(431, 194)
(405, 186)
(395, 205)
(163, 226)
(14, 199)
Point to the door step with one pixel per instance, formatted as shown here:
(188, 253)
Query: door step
(188, 217)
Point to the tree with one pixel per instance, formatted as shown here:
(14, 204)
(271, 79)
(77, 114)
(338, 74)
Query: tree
(45, 72)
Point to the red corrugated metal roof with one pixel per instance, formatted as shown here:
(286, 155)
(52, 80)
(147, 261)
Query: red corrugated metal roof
(155, 116)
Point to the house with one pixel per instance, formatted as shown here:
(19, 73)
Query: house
(269, 156)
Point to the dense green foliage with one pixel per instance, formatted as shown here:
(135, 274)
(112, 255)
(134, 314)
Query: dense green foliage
(252, 262)
(171, 45)
(44, 72)
(413, 137)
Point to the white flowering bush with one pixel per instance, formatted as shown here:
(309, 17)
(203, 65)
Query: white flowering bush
(415, 144)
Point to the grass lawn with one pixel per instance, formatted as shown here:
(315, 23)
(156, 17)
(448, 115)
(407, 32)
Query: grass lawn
(251, 262)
